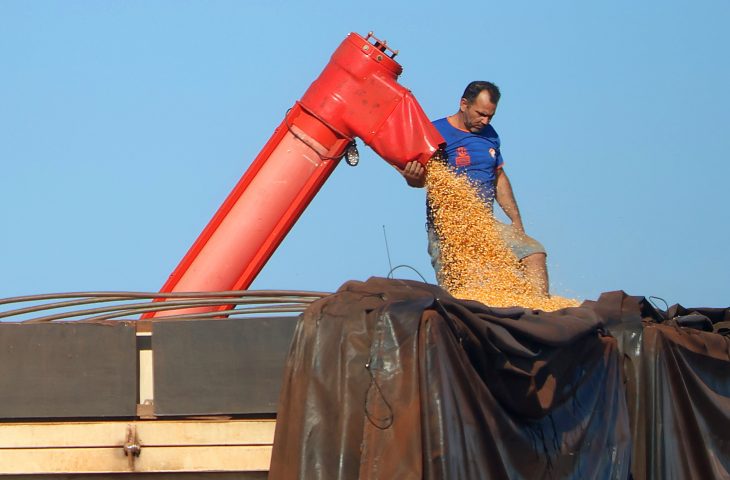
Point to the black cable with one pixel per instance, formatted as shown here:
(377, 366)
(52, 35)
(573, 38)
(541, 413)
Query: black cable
(390, 273)
(666, 305)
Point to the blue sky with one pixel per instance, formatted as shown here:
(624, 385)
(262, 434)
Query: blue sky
(124, 125)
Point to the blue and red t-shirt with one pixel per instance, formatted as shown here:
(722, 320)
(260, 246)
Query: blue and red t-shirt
(476, 155)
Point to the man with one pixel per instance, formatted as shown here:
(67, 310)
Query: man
(472, 146)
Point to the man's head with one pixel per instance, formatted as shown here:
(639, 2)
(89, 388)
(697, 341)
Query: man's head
(478, 105)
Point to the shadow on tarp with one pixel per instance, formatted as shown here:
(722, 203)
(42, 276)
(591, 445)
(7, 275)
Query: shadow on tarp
(395, 379)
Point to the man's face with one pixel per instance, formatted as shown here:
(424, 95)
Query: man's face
(478, 114)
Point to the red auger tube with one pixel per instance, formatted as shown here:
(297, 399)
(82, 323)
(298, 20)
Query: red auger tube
(356, 95)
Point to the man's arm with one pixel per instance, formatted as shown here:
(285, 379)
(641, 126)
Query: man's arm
(414, 173)
(506, 199)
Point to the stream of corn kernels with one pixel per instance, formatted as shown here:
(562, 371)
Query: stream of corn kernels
(476, 264)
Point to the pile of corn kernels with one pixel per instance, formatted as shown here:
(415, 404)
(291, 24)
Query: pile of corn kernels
(476, 264)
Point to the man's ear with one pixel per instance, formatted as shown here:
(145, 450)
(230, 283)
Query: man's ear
(463, 104)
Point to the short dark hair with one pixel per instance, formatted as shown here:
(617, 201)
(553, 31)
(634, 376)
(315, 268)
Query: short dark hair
(475, 88)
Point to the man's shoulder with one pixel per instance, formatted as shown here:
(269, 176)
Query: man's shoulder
(441, 123)
(450, 133)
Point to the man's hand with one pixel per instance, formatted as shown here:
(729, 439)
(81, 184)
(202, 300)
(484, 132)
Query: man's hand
(414, 173)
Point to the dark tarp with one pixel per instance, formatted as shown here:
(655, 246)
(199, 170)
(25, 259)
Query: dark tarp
(677, 385)
(395, 379)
